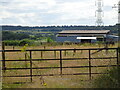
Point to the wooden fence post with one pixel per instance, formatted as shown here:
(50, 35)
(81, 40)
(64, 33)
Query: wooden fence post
(44, 47)
(74, 52)
(41, 54)
(26, 59)
(90, 65)
(55, 54)
(60, 62)
(31, 65)
(3, 57)
(13, 47)
(106, 47)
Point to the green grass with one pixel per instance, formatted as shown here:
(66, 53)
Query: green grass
(16, 85)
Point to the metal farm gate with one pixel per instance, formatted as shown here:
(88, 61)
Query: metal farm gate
(58, 62)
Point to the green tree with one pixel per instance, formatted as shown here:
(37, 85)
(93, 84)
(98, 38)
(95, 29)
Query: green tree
(8, 35)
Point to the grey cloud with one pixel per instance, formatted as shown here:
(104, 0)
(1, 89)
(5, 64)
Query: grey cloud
(44, 14)
(10, 21)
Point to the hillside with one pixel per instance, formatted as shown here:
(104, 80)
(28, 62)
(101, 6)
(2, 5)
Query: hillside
(56, 29)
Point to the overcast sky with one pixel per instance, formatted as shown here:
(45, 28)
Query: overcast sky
(54, 12)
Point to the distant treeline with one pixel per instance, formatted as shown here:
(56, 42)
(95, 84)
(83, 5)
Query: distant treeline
(20, 39)
(9, 35)
(60, 28)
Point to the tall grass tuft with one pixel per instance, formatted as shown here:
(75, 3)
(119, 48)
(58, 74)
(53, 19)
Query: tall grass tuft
(110, 80)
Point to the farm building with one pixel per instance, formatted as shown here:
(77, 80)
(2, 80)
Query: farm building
(76, 36)
(112, 38)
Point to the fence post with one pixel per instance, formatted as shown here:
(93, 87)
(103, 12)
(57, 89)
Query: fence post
(106, 47)
(41, 54)
(44, 47)
(117, 53)
(55, 54)
(31, 65)
(3, 57)
(90, 65)
(13, 47)
(26, 59)
(74, 52)
(60, 62)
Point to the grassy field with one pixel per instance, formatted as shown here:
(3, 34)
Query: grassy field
(78, 81)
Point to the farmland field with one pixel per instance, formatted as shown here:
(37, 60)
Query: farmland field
(71, 81)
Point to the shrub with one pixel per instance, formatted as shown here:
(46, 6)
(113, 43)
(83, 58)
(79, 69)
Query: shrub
(26, 41)
(12, 42)
(49, 40)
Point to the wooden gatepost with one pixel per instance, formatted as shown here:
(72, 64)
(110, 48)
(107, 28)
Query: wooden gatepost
(3, 57)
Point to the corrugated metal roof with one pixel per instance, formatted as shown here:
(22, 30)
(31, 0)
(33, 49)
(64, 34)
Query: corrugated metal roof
(84, 31)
